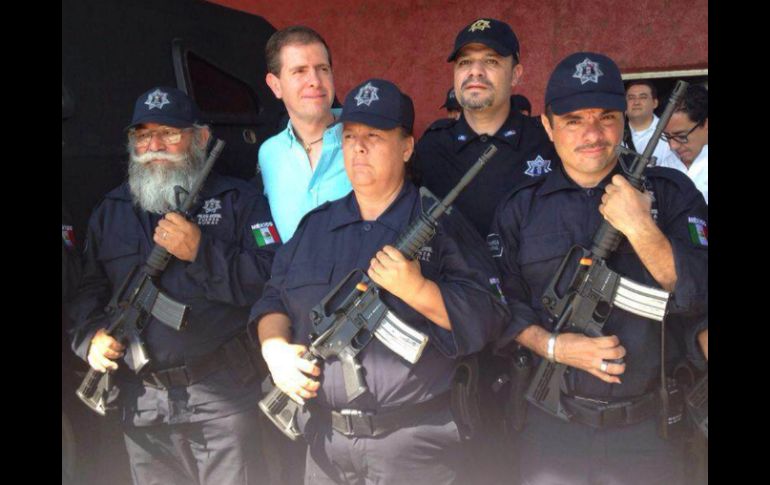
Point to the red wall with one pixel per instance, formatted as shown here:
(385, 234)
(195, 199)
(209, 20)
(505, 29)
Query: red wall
(407, 42)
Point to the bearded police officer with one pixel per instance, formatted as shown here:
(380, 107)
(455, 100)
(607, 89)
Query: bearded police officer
(486, 68)
(613, 408)
(189, 416)
(401, 430)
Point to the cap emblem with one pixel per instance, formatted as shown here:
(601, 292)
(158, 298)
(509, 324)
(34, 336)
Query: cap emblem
(481, 25)
(157, 99)
(587, 71)
(366, 95)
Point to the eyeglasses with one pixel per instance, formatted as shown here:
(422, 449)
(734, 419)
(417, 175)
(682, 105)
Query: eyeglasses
(142, 138)
(681, 139)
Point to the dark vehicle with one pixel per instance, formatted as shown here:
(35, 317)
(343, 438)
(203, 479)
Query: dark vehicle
(112, 51)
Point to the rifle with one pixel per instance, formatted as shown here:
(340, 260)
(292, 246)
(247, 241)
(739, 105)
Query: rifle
(137, 299)
(594, 289)
(352, 313)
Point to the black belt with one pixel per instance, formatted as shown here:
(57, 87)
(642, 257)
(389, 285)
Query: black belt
(235, 353)
(353, 422)
(602, 414)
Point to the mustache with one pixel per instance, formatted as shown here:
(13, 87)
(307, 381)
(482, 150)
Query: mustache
(148, 156)
(591, 146)
(480, 80)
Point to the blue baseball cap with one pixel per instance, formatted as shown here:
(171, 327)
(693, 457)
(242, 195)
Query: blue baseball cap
(165, 106)
(585, 80)
(380, 104)
(495, 34)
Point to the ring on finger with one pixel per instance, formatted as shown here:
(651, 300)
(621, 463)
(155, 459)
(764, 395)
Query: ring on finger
(603, 366)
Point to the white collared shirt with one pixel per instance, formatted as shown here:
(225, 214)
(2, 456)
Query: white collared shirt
(642, 138)
(698, 171)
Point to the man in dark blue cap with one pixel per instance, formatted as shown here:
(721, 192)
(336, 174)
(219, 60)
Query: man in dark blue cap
(189, 416)
(613, 410)
(486, 68)
(402, 429)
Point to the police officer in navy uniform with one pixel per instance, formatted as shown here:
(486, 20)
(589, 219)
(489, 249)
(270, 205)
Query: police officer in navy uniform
(189, 416)
(486, 68)
(612, 435)
(445, 293)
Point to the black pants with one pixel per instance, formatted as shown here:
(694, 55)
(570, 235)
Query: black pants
(220, 451)
(426, 454)
(552, 451)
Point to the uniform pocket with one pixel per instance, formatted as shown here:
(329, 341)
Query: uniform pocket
(311, 273)
(535, 249)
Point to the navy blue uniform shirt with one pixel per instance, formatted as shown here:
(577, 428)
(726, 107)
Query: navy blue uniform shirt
(333, 240)
(448, 149)
(534, 229)
(220, 286)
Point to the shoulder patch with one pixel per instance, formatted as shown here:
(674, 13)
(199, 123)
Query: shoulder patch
(698, 231)
(265, 233)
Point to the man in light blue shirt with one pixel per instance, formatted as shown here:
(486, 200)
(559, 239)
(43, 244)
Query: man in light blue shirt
(301, 166)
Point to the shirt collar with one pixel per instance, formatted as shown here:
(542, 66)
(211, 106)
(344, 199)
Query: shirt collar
(558, 180)
(336, 112)
(509, 132)
(348, 211)
(703, 155)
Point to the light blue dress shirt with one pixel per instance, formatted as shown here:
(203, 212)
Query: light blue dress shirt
(292, 188)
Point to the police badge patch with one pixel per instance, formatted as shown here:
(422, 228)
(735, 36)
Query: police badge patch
(157, 99)
(587, 71)
(495, 245)
(537, 167)
(210, 218)
(366, 95)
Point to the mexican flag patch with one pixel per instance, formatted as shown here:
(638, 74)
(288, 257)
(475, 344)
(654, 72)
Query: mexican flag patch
(68, 235)
(698, 231)
(265, 233)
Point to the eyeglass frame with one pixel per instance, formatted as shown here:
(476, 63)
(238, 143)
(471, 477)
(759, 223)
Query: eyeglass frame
(163, 133)
(681, 139)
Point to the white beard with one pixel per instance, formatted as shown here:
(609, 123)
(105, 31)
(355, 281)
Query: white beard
(152, 185)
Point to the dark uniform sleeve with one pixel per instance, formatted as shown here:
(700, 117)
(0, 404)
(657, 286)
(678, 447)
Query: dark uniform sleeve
(684, 221)
(87, 309)
(270, 301)
(503, 244)
(467, 276)
(234, 272)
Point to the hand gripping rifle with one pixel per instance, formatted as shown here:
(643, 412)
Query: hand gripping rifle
(593, 288)
(138, 298)
(352, 313)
